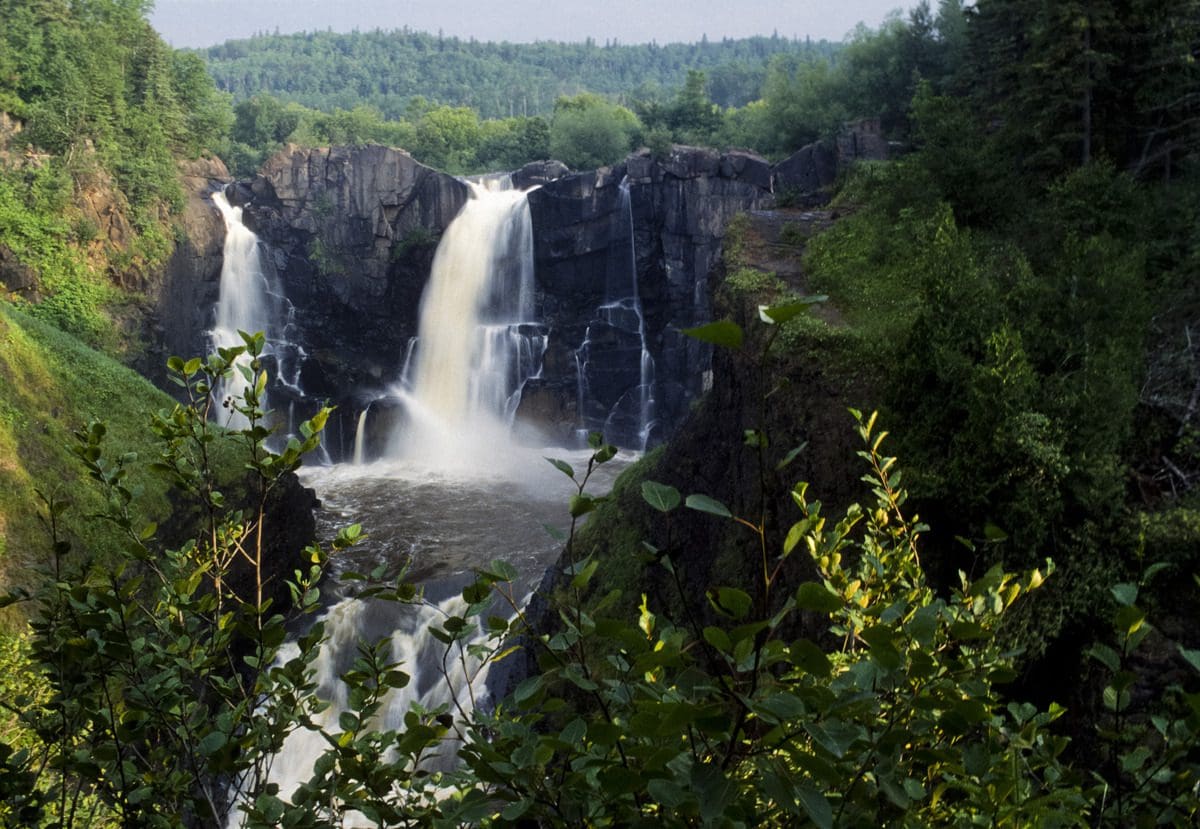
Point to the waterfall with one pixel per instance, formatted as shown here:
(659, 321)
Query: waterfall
(477, 341)
(360, 437)
(250, 301)
(244, 301)
(615, 349)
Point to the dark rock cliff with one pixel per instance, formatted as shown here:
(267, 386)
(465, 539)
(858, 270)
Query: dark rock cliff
(182, 300)
(623, 258)
(350, 234)
(677, 209)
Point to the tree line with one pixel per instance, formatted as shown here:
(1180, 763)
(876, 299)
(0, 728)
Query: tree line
(385, 69)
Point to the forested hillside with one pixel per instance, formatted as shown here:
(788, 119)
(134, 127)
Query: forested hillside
(97, 111)
(386, 70)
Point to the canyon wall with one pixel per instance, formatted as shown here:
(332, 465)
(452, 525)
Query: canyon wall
(349, 234)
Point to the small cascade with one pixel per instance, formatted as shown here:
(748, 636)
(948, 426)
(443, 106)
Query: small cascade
(360, 437)
(457, 683)
(251, 301)
(615, 369)
(478, 342)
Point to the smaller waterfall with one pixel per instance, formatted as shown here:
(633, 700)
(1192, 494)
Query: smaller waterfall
(360, 437)
(244, 301)
(251, 301)
(614, 367)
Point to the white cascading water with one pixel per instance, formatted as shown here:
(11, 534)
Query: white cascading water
(477, 341)
(244, 302)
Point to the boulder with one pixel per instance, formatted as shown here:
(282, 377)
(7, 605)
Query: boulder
(806, 172)
(539, 172)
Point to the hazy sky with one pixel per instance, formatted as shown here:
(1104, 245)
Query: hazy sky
(206, 22)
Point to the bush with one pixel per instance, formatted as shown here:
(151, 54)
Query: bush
(855, 696)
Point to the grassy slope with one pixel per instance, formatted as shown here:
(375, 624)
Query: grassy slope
(50, 386)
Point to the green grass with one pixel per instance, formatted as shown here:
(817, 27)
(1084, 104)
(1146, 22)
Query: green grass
(50, 386)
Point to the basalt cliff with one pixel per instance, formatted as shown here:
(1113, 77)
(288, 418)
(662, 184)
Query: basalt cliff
(348, 236)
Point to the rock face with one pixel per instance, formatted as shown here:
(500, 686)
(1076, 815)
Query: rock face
(184, 298)
(806, 175)
(677, 209)
(351, 234)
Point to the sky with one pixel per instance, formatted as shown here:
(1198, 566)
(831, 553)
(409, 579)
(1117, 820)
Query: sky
(195, 23)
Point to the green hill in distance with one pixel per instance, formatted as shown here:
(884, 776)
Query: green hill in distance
(387, 69)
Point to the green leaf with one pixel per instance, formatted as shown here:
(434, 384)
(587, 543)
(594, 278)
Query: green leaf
(211, 743)
(718, 638)
(993, 533)
(1106, 656)
(515, 809)
(818, 598)
(722, 332)
(605, 454)
(790, 456)
(815, 805)
(581, 504)
(704, 503)
(731, 601)
(666, 792)
(660, 496)
(1125, 593)
(779, 314)
(1192, 657)
(584, 576)
(563, 467)
(809, 658)
(528, 689)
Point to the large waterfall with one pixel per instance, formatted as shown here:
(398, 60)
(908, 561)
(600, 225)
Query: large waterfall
(453, 492)
(478, 342)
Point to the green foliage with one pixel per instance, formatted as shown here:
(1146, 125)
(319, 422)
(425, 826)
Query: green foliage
(33, 227)
(447, 137)
(96, 72)
(385, 69)
(588, 132)
(49, 384)
(742, 722)
(156, 695)
(1151, 773)
(846, 691)
(1010, 347)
